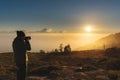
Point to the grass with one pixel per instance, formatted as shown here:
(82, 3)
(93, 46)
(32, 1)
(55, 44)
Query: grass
(61, 67)
(114, 75)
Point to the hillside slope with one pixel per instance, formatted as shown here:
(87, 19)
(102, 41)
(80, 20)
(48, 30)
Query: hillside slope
(109, 41)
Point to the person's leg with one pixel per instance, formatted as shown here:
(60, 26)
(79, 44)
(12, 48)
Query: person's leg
(18, 74)
(18, 71)
(21, 73)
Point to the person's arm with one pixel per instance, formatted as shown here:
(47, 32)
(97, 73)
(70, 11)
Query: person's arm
(27, 45)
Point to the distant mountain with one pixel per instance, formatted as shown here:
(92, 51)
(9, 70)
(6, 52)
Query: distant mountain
(112, 40)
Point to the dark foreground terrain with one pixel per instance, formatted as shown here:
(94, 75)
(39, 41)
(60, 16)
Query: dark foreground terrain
(78, 65)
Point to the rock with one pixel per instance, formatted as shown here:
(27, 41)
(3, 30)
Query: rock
(102, 77)
(36, 78)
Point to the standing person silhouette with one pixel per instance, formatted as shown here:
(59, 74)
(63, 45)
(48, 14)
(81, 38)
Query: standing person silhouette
(20, 47)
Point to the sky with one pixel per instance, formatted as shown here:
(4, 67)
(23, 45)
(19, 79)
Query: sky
(52, 22)
(60, 15)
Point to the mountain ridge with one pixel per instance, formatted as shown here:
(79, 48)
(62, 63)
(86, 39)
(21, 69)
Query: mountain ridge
(112, 40)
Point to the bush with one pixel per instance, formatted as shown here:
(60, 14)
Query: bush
(113, 52)
(114, 75)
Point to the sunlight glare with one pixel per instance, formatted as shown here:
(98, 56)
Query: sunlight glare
(88, 29)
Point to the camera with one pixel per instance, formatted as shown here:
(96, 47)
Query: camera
(28, 38)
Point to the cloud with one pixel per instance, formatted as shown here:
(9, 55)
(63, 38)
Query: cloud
(47, 30)
(63, 31)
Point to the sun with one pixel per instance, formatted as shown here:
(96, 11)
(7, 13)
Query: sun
(88, 28)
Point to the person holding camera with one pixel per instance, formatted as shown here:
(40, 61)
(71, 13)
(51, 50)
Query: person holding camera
(20, 47)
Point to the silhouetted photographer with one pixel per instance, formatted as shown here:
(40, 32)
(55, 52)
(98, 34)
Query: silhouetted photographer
(20, 47)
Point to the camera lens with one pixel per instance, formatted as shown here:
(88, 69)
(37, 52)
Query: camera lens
(28, 38)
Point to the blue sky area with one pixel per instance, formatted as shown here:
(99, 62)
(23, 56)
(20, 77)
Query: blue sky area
(58, 15)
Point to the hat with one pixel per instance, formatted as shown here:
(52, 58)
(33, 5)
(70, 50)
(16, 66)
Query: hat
(20, 34)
